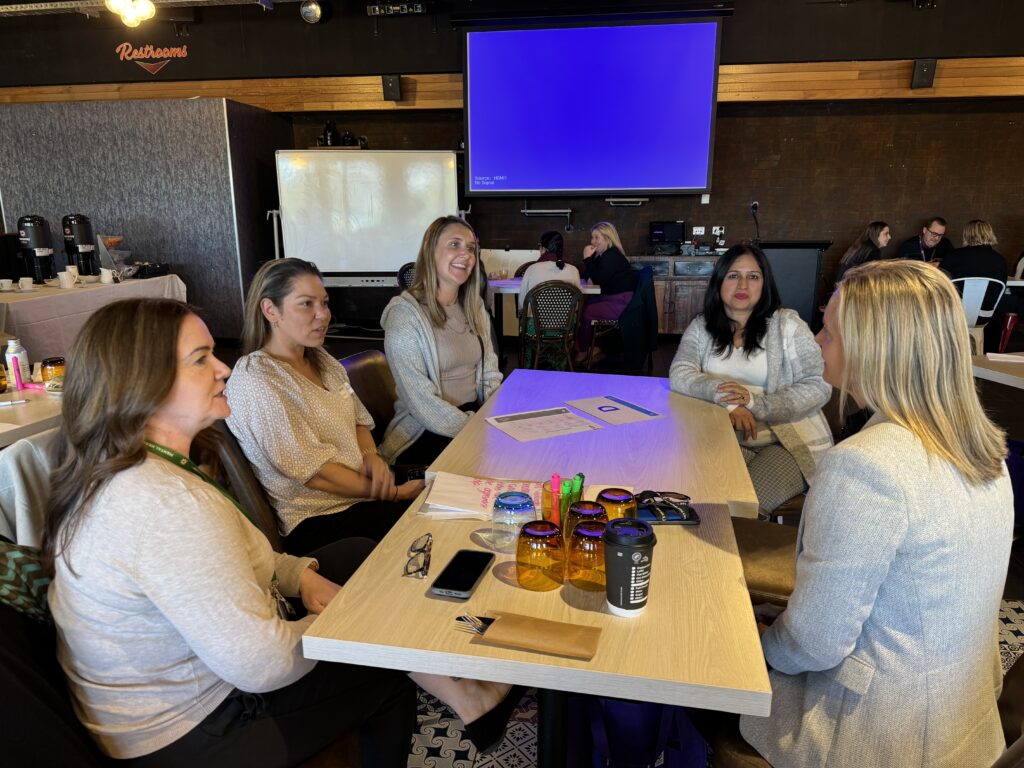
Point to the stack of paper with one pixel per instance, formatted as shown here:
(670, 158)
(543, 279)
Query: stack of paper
(457, 497)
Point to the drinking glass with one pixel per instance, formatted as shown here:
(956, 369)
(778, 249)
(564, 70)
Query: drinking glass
(511, 510)
(618, 502)
(540, 558)
(580, 511)
(586, 556)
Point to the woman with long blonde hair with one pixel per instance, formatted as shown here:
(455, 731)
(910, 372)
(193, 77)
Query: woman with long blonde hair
(887, 652)
(438, 343)
(605, 265)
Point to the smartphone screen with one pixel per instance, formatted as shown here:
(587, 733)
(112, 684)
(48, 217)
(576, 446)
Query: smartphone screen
(460, 576)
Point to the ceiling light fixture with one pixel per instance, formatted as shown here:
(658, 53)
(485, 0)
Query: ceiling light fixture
(132, 12)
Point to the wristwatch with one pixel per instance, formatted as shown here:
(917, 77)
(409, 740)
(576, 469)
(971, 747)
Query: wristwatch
(314, 565)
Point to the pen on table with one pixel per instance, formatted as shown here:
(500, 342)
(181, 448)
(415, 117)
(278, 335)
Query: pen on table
(5, 403)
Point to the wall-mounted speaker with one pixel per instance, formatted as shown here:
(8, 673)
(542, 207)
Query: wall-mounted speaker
(392, 85)
(924, 73)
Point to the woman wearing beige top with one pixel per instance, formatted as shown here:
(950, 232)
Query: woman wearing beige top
(438, 343)
(299, 422)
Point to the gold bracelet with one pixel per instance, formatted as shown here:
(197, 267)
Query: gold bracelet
(370, 451)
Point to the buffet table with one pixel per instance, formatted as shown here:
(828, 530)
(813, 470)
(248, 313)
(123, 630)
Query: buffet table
(48, 319)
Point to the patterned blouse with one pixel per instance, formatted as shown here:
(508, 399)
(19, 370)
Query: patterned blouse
(289, 428)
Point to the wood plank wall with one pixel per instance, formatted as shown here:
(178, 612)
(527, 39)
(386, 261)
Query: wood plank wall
(821, 81)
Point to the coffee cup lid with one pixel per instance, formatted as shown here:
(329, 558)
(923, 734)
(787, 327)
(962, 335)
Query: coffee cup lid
(629, 532)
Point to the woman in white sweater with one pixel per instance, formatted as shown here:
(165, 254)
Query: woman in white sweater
(169, 603)
(887, 653)
(755, 358)
(438, 342)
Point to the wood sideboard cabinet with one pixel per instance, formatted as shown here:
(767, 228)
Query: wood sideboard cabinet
(680, 283)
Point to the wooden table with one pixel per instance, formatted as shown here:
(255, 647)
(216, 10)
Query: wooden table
(48, 319)
(41, 412)
(695, 645)
(1010, 374)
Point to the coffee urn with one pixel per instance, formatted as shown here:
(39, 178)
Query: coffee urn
(80, 243)
(37, 247)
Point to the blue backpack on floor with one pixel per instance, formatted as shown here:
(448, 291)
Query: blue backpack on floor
(632, 734)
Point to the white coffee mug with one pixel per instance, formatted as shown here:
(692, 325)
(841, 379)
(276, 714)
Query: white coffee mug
(66, 280)
(73, 271)
(106, 275)
(6, 284)
(25, 284)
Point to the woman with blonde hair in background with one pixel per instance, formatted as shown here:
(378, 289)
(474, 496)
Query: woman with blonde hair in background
(438, 342)
(887, 653)
(979, 258)
(605, 265)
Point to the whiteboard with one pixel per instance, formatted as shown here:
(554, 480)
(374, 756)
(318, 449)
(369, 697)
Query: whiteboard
(361, 211)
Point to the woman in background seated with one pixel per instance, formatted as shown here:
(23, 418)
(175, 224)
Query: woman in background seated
(755, 358)
(169, 602)
(550, 266)
(887, 653)
(867, 247)
(979, 258)
(299, 422)
(438, 343)
(605, 265)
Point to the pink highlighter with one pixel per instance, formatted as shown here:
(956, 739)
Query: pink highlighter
(16, 367)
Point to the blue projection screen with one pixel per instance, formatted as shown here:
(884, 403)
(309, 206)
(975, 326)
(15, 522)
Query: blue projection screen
(589, 110)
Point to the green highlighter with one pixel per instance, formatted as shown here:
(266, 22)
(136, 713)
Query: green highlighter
(566, 498)
(577, 487)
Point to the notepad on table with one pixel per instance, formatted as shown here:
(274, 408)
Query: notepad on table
(458, 497)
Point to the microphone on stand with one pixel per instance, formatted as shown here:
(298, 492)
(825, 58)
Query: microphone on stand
(757, 224)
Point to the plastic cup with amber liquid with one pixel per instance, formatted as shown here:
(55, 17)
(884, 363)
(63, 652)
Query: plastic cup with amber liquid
(586, 556)
(540, 556)
(618, 502)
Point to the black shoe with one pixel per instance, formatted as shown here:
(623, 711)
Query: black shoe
(488, 730)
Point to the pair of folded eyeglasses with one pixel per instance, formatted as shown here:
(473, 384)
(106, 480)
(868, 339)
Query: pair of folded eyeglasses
(664, 507)
(418, 564)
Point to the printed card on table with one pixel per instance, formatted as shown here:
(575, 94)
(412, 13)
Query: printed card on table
(614, 410)
(537, 425)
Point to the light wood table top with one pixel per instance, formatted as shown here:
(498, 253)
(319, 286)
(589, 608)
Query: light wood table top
(1010, 374)
(40, 413)
(695, 645)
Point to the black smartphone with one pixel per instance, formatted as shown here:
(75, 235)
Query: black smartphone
(459, 578)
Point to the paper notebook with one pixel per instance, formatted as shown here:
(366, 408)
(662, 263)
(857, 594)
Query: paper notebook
(457, 497)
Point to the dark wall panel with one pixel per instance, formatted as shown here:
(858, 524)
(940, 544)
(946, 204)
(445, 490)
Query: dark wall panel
(821, 170)
(245, 41)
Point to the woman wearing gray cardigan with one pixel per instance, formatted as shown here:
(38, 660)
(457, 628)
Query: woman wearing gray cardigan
(759, 361)
(887, 653)
(438, 344)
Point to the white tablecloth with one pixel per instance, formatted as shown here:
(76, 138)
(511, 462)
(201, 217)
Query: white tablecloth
(48, 319)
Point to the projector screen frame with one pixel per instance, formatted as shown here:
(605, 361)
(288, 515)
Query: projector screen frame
(576, 23)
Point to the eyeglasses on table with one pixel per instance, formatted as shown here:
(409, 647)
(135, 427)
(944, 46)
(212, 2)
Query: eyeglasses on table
(418, 564)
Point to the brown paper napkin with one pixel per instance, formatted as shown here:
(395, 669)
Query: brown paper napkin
(524, 633)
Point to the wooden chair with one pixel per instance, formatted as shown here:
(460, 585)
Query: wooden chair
(521, 269)
(370, 377)
(406, 274)
(549, 320)
(973, 291)
(637, 328)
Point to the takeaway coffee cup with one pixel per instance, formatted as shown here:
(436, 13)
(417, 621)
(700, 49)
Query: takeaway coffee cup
(106, 275)
(628, 551)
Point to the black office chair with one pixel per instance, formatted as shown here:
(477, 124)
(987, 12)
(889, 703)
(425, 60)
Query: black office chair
(631, 340)
(371, 378)
(406, 274)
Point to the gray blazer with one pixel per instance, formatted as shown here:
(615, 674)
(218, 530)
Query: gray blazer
(888, 652)
(412, 357)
